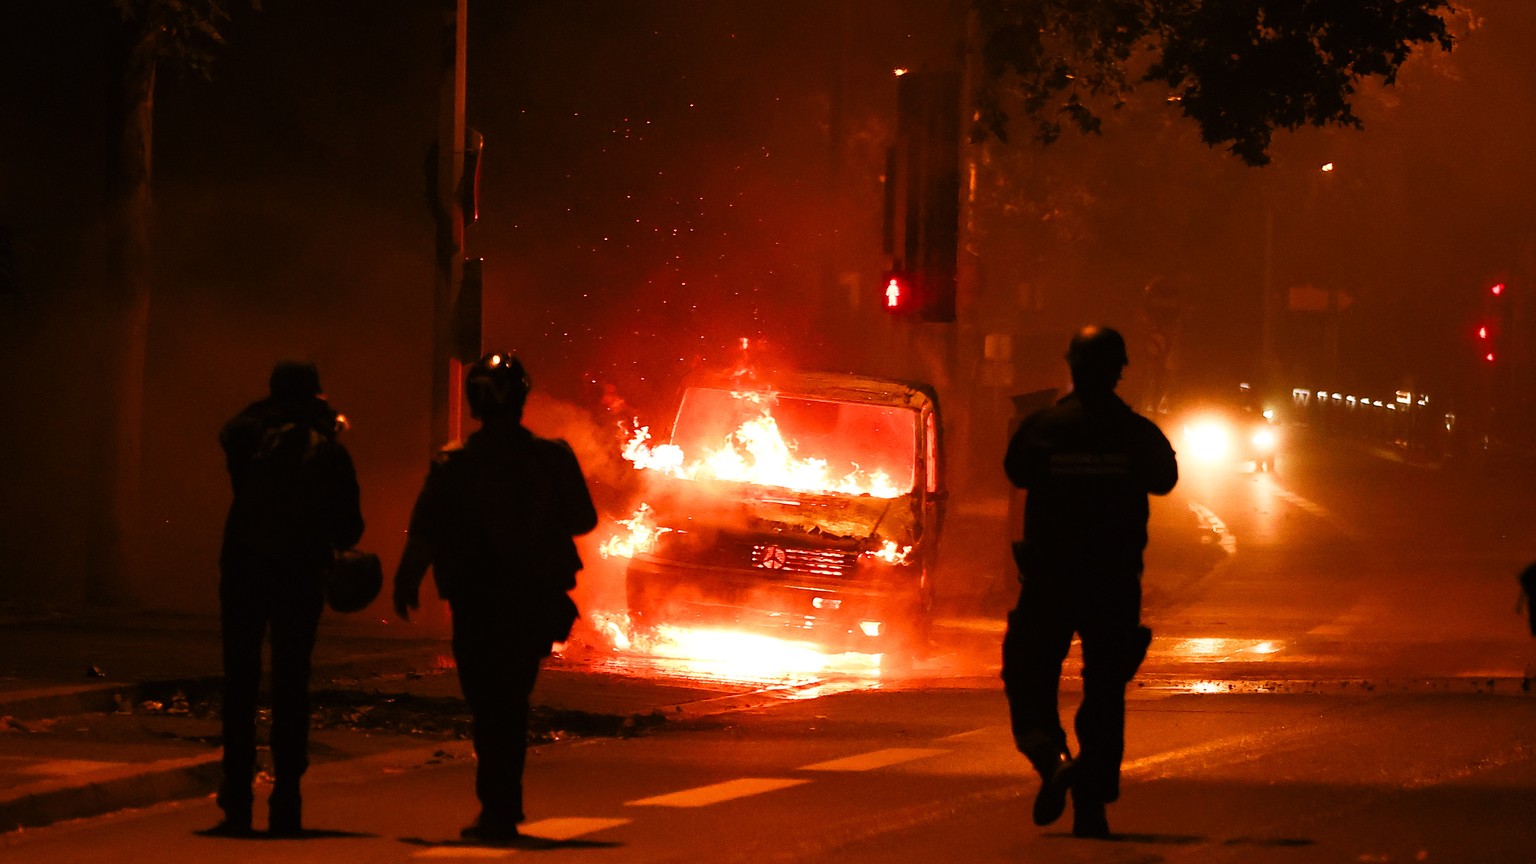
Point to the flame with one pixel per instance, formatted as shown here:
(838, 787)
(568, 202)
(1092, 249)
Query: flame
(723, 654)
(756, 453)
(640, 536)
(889, 553)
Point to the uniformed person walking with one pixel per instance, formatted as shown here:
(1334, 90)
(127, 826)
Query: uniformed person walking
(1087, 464)
(295, 506)
(495, 521)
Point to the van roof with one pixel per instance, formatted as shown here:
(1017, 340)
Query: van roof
(834, 386)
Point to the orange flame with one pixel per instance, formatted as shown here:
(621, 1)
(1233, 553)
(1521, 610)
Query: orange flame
(756, 453)
(640, 537)
(728, 655)
(889, 553)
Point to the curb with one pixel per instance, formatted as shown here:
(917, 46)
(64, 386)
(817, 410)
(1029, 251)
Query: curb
(67, 700)
(129, 785)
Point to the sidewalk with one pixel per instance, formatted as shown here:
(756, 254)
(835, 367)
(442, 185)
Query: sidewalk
(99, 713)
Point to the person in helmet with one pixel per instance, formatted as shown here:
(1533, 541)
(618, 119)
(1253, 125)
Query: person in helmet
(495, 521)
(1087, 464)
(295, 506)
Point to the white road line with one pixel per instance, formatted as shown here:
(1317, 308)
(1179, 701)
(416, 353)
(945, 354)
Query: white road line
(703, 796)
(1227, 540)
(983, 732)
(1318, 511)
(479, 853)
(564, 828)
(989, 624)
(874, 759)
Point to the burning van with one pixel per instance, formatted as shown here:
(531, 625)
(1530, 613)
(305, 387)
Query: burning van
(812, 507)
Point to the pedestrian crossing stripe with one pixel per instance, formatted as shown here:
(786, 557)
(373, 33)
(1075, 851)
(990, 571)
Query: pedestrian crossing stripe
(980, 734)
(479, 853)
(715, 793)
(875, 759)
(567, 827)
(559, 828)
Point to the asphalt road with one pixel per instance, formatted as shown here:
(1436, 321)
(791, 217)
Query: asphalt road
(925, 775)
(1338, 675)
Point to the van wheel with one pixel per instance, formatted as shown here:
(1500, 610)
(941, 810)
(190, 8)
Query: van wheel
(906, 640)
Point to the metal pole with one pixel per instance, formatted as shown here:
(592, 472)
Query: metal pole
(446, 384)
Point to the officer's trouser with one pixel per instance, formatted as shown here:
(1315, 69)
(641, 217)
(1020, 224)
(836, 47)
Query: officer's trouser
(257, 598)
(497, 671)
(1105, 614)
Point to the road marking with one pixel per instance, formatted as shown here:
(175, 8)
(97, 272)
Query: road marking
(983, 732)
(874, 759)
(988, 624)
(1361, 613)
(564, 828)
(559, 828)
(1331, 630)
(477, 852)
(1319, 512)
(703, 796)
(1227, 540)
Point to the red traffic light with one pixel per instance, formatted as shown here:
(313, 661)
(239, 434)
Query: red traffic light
(1497, 289)
(898, 292)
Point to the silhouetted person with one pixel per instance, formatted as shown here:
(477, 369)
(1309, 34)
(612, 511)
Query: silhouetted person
(1087, 463)
(295, 505)
(1528, 589)
(495, 521)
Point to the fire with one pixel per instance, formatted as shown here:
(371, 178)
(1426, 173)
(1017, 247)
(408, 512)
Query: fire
(889, 553)
(728, 655)
(757, 453)
(744, 656)
(641, 535)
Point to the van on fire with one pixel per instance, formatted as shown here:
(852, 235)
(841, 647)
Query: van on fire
(809, 504)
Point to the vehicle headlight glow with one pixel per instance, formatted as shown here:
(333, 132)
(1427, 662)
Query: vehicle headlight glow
(1208, 440)
(1264, 440)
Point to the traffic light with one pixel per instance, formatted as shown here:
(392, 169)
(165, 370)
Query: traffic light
(899, 293)
(1490, 331)
(927, 297)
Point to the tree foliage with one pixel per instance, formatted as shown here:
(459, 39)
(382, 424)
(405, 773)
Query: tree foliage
(1240, 69)
(185, 33)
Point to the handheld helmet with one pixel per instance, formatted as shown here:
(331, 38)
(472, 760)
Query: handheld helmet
(354, 581)
(496, 386)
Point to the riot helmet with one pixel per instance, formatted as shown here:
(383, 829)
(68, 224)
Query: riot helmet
(496, 386)
(294, 381)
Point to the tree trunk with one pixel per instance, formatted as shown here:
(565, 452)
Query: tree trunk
(117, 524)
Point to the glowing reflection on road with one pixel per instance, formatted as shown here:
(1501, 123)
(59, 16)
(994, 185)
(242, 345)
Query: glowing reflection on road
(1219, 650)
(726, 655)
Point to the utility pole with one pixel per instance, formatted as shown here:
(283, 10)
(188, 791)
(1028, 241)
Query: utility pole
(447, 383)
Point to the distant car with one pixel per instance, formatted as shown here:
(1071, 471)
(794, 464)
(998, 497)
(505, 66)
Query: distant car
(812, 508)
(1229, 434)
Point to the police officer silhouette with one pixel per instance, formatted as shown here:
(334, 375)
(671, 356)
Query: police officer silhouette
(495, 521)
(1087, 464)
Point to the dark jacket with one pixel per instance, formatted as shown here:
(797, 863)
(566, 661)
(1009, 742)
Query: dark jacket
(1088, 464)
(296, 498)
(496, 517)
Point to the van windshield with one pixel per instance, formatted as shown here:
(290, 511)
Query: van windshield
(800, 443)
